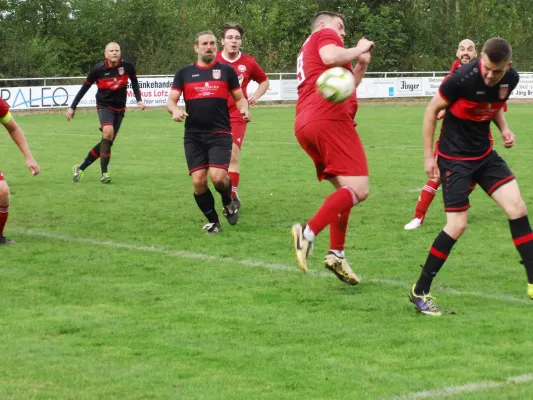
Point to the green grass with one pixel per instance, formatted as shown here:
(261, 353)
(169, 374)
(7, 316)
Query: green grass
(115, 292)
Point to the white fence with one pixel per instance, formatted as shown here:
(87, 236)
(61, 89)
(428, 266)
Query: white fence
(49, 93)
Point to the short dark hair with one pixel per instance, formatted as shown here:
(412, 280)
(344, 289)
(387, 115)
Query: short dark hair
(330, 14)
(226, 27)
(201, 34)
(497, 50)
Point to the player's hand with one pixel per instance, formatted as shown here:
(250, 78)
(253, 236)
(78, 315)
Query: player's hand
(32, 166)
(252, 100)
(440, 114)
(246, 115)
(179, 115)
(141, 105)
(431, 167)
(365, 44)
(70, 114)
(508, 138)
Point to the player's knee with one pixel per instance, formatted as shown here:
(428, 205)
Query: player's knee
(516, 209)
(108, 132)
(456, 228)
(200, 184)
(4, 193)
(220, 183)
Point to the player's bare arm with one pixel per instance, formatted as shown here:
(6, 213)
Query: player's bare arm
(178, 114)
(337, 56)
(261, 90)
(508, 136)
(242, 104)
(436, 104)
(70, 114)
(20, 140)
(360, 69)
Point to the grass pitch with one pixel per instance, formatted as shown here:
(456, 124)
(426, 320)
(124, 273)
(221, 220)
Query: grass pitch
(115, 292)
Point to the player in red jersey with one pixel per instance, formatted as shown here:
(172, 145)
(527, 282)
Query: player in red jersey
(326, 131)
(466, 52)
(247, 69)
(18, 137)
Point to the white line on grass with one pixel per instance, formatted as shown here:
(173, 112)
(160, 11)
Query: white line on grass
(250, 263)
(468, 388)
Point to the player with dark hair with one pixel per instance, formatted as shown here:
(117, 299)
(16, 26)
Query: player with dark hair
(326, 131)
(111, 76)
(473, 97)
(466, 52)
(18, 137)
(206, 86)
(247, 69)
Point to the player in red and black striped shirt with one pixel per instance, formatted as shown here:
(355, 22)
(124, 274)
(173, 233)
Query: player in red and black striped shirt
(474, 97)
(206, 86)
(466, 52)
(111, 76)
(18, 137)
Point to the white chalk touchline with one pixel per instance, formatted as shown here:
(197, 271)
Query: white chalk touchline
(468, 388)
(250, 263)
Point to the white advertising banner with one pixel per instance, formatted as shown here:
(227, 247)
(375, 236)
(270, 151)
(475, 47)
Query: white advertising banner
(155, 91)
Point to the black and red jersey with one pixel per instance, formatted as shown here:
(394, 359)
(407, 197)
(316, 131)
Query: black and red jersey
(465, 131)
(205, 91)
(112, 83)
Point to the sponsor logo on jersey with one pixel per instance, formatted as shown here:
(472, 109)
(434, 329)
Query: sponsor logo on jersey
(503, 92)
(217, 74)
(241, 79)
(121, 70)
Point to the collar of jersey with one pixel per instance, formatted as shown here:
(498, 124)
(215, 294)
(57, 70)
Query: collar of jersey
(228, 60)
(208, 67)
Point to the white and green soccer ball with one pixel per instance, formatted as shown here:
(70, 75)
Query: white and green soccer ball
(336, 84)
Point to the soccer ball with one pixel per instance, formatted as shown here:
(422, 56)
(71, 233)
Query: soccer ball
(336, 84)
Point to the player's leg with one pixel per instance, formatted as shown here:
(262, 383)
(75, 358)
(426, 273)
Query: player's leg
(339, 157)
(499, 183)
(4, 209)
(238, 129)
(456, 191)
(424, 201)
(92, 156)
(335, 260)
(197, 162)
(219, 155)
(107, 121)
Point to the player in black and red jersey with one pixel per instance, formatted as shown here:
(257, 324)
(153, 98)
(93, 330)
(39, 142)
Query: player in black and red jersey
(473, 96)
(111, 76)
(206, 86)
(18, 137)
(466, 52)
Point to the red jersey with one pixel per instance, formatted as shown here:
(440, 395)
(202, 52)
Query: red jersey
(247, 69)
(4, 108)
(311, 106)
(456, 64)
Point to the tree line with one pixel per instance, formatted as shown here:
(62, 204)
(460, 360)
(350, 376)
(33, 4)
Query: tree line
(66, 37)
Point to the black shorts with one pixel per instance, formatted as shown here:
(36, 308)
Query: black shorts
(490, 173)
(204, 150)
(110, 117)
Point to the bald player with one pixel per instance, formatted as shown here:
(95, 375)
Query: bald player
(111, 76)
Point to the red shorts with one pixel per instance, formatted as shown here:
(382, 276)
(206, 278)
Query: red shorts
(335, 148)
(1, 176)
(238, 129)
